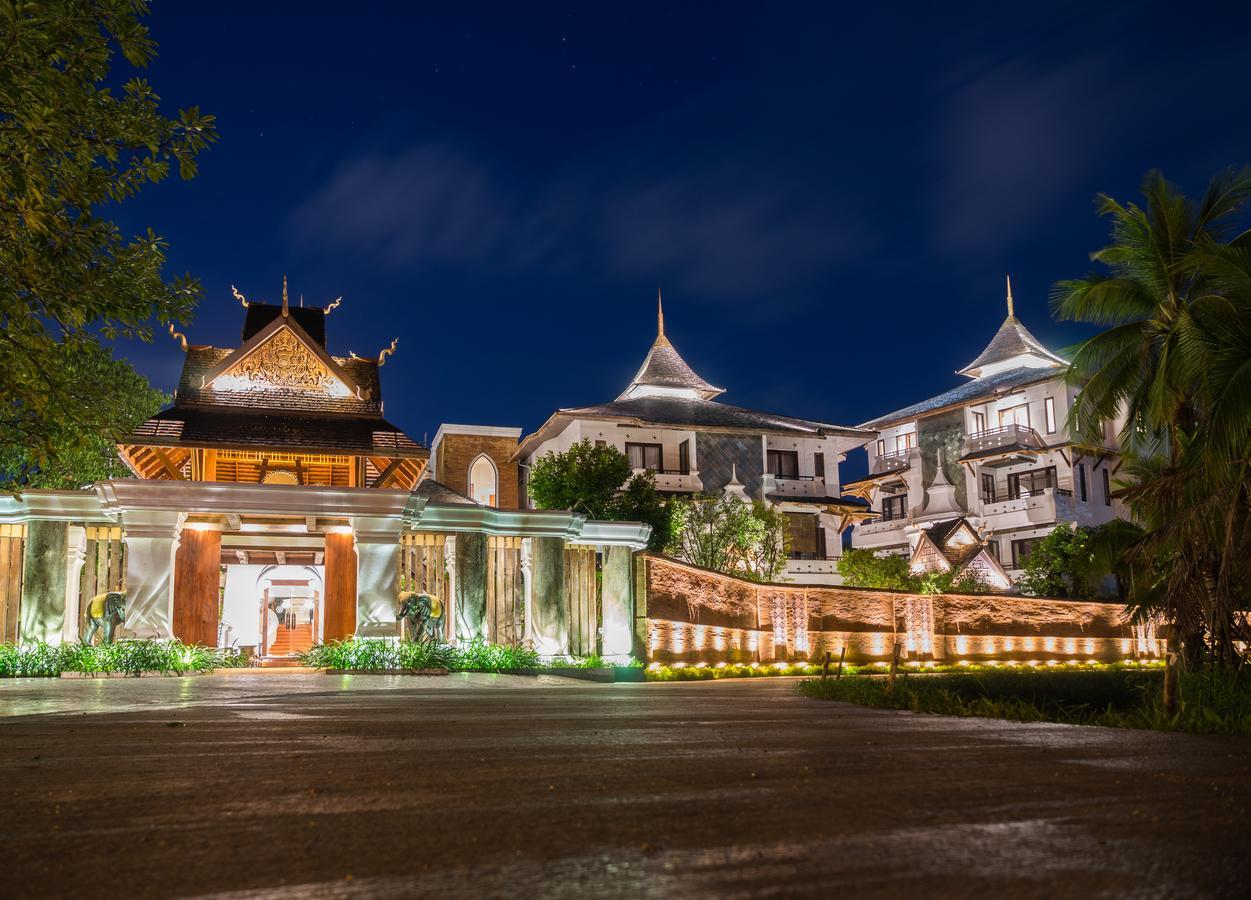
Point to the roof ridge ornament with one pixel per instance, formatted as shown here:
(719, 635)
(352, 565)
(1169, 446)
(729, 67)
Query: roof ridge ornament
(285, 308)
(382, 357)
(660, 315)
(332, 306)
(178, 336)
(1011, 312)
(238, 296)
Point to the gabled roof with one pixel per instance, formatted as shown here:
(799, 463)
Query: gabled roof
(439, 493)
(664, 367)
(311, 319)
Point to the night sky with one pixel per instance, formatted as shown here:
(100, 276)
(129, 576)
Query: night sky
(829, 197)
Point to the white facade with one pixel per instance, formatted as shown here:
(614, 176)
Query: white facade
(1023, 472)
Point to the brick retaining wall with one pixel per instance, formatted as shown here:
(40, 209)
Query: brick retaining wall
(696, 615)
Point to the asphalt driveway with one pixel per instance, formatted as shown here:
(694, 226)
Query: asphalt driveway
(497, 786)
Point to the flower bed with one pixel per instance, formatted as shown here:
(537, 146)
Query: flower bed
(39, 660)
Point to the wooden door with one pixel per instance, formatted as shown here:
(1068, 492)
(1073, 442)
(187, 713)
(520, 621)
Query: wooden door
(197, 579)
(340, 621)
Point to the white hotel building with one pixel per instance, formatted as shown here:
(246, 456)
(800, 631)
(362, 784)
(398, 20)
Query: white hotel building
(1003, 442)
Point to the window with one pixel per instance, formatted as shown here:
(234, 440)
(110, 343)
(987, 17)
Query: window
(1107, 489)
(1081, 482)
(644, 456)
(905, 441)
(1031, 483)
(1049, 407)
(993, 547)
(482, 481)
(881, 448)
(684, 457)
(783, 463)
(894, 507)
(1022, 549)
(818, 465)
(988, 488)
(807, 536)
(979, 422)
(601, 443)
(1015, 415)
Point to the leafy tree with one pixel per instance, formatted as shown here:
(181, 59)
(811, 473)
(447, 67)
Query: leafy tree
(728, 534)
(70, 145)
(599, 483)
(864, 568)
(1175, 359)
(1059, 564)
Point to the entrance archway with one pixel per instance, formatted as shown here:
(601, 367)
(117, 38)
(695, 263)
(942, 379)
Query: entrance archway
(291, 601)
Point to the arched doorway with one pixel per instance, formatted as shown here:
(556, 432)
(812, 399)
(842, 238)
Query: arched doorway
(484, 481)
(290, 609)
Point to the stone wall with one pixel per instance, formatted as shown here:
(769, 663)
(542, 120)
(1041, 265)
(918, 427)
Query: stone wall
(694, 615)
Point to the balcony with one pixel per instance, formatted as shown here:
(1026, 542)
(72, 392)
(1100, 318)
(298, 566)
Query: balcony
(1008, 440)
(893, 462)
(1038, 507)
(793, 485)
(675, 481)
(819, 571)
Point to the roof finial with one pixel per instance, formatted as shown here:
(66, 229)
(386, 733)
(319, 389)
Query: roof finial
(285, 309)
(660, 315)
(1011, 312)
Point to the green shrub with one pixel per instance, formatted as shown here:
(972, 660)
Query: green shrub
(30, 660)
(730, 670)
(132, 657)
(479, 656)
(378, 653)
(1215, 701)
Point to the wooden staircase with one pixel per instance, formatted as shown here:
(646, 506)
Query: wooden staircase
(289, 641)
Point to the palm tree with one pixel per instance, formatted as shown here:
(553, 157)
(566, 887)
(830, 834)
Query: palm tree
(1175, 363)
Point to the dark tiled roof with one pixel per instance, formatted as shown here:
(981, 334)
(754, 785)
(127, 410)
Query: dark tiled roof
(312, 320)
(704, 414)
(203, 427)
(1012, 339)
(820, 501)
(663, 367)
(939, 532)
(437, 492)
(200, 361)
(967, 393)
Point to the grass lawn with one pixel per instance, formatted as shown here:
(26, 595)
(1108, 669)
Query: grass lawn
(1211, 702)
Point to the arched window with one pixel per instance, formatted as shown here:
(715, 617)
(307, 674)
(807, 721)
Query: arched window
(483, 480)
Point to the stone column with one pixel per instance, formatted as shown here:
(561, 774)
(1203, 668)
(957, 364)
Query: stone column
(76, 558)
(618, 603)
(151, 542)
(449, 602)
(551, 616)
(527, 589)
(377, 575)
(471, 585)
(43, 582)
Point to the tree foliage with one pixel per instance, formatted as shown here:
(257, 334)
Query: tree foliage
(599, 483)
(730, 535)
(70, 146)
(1059, 565)
(1174, 298)
(890, 571)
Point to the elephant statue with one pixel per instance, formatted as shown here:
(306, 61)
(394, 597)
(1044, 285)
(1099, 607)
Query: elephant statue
(104, 613)
(424, 615)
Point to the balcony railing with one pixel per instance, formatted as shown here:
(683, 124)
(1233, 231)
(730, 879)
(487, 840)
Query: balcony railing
(1003, 436)
(793, 477)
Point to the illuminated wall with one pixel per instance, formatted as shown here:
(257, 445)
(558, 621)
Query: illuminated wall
(697, 616)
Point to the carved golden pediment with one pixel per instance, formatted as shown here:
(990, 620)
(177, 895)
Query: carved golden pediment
(283, 361)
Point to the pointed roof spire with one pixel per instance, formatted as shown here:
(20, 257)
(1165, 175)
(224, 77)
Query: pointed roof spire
(665, 372)
(1012, 343)
(285, 308)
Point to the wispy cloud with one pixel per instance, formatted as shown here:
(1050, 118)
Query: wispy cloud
(726, 231)
(1017, 139)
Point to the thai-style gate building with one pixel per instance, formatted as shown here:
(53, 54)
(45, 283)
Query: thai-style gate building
(273, 506)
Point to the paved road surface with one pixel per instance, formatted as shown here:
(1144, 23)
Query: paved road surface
(496, 786)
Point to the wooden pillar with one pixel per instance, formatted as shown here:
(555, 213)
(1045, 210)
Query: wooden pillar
(197, 579)
(340, 619)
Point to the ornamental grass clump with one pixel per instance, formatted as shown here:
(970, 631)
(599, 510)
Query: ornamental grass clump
(729, 670)
(30, 660)
(479, 656)
(36, 659)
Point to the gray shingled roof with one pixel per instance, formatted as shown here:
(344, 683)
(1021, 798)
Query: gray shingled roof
(664, 367)
(1012, 339)
(704, 414)
(438, 492)
(970, 391)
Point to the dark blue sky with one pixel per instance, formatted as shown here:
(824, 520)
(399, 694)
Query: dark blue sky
(829, 196)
